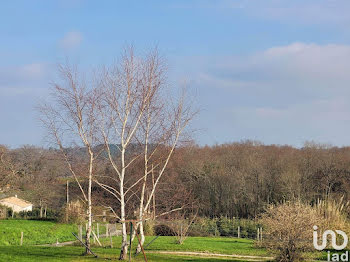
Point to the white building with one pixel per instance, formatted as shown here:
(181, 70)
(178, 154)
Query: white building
(16, 204)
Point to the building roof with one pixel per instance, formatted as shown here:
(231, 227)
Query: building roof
(16, 201)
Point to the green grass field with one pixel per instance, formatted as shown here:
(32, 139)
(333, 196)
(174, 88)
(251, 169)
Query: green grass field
(74, 253)
(34, 232)
(44, 232)
(220, 245)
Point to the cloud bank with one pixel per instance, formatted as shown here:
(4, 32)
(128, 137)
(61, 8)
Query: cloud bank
(284, 94)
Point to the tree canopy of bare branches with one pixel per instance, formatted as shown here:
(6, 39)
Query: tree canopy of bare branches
(127, 107)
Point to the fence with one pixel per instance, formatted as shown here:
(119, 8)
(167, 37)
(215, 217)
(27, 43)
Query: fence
(229, 227)
(99, 230)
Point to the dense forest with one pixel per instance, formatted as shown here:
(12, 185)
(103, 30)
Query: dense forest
(232, 180)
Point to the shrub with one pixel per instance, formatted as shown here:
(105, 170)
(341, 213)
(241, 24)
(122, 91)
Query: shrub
(149, 228)
(163, 230)
(74, 213)
(334, 213)
(224, 227)
(288, 229)
(204, 227)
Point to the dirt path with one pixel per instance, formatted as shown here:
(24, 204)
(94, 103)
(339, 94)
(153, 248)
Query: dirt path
(206, 254)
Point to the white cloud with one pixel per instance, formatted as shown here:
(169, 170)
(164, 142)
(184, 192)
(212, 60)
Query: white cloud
(301, 66)
(299, 11)
(35, 70)
(284, 94)
(71, 40)
(314, 12)
(23, 73)
(24, 79)
(325, 121)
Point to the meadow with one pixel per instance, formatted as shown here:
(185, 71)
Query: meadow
(74, 253)
(34, 232)
(163, 248)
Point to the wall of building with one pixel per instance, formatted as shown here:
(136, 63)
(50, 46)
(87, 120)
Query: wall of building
(16, 208)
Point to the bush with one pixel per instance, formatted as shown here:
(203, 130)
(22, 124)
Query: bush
(73, 213)
(163, 230)
(204, 227)
(288, 229)
(149, 228)
(224, 227)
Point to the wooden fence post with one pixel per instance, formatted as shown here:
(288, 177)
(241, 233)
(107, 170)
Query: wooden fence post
(258, 234)
(104, 216)
(21, 238)
(107, 230)
(110, 236)
(93, 229)
(239, 232)
(80, 230)
(98, 230)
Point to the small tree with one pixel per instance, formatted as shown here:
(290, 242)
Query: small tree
(181, 225)
(288, 229)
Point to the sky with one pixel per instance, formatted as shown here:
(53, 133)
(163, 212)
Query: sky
(276, 71)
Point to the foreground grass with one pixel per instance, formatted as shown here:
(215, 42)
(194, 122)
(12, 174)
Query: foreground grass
(74, 253)
(194, 244)
(220, 245)
(35, 232)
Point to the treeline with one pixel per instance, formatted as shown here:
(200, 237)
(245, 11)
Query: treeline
(231, 180)
(242, 179)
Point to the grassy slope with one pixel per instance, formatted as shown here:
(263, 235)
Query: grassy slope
(35, 232)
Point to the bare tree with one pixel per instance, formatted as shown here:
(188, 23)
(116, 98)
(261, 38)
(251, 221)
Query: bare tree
(137, 119)
(7, 167)
(181, 224)
(121, 111)
(128, 109)
(163, 125)
(71, 121)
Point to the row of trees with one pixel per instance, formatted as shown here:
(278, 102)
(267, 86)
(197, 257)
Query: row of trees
(242, 179)
(233, 180)
(34, 172)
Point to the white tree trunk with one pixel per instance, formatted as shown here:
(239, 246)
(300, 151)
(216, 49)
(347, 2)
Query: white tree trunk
(124, 247)
(89, 210)
(142, 235)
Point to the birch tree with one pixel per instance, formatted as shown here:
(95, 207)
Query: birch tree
(121, 110)
(163, 125)
(135, 110)
(70, 119)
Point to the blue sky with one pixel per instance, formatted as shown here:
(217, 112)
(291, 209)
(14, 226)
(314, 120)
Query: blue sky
(275, 71)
